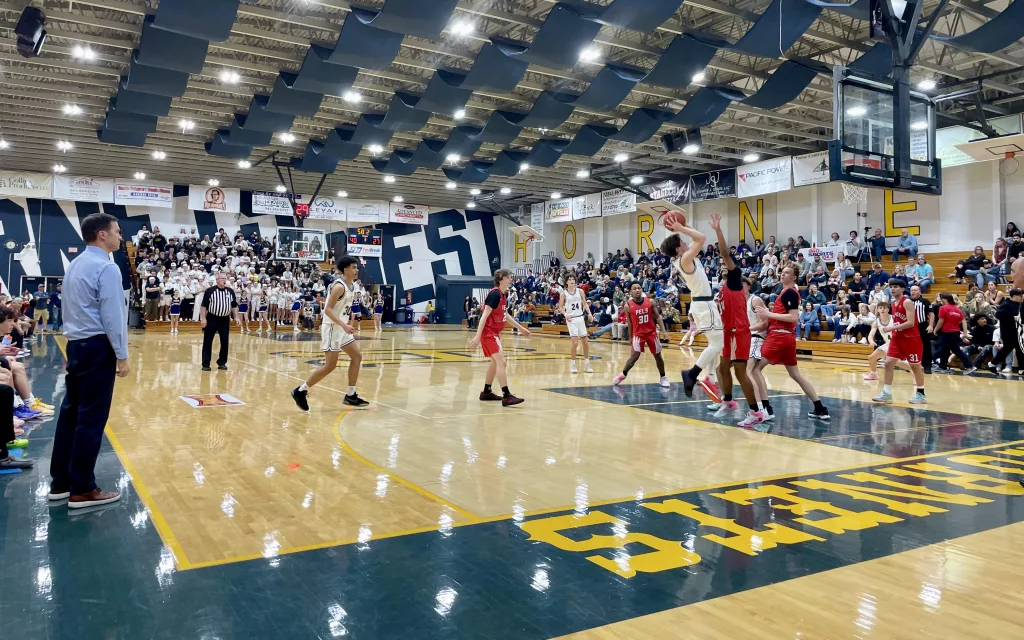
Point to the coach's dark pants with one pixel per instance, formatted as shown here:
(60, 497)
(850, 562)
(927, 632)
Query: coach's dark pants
(216, 325)
(926, 343)
(89, 381)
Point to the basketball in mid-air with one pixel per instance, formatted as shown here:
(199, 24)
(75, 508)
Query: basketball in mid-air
(672, 218)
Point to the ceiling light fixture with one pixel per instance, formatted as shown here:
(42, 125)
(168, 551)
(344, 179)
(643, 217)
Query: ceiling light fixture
(64, 145)
(72, 109)
(620, 157)
(691, 149)
(230, 77)
(471, 205)
(389, 179)
(343, 194)
(856, 111)
(590, 54)
(159, 155)
(399, 199)
(375, 148)
(450, 185)
(59, 168)
(523, 167)
(926, 85)
(287, 137)
(281, 188)
(461, 28)
(460, 114)
(555, 195)
(244, 164)
(698, 77)
(474, 192)
(751, 157)
(186, 125)
(4, 144)
(139, 175)
(453, 158)
(83, 52)
(352, 96)
(636, 180)
(583, 174)
(919, 125)
(505, 191)
(213, 182)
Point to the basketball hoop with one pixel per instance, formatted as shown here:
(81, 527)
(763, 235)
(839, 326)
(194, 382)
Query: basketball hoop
(302, 253)
(1009, 164)
(855, 194)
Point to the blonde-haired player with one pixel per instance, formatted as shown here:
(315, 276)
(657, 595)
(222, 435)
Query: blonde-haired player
(336, 336)
(574, 305)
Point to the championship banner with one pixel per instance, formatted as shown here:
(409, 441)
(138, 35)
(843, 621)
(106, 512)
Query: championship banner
(669, 191)
(207, 198)
(713, 185)
(367, 211)
(588, 206)
(26, 185)
(537, 216)
(767, 176)
(145, 194)
(272, 204)
(810, 168)
(617, 201)
(324, 208)
(366, 242)
(828, 254)
(406, 213)
(558, 210)
(83, 188)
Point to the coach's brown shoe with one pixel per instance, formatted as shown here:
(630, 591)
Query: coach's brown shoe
(94, 498)
(489, 396)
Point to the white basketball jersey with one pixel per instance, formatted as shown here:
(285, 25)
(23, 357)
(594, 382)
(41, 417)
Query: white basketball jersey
(342, 308)
(751, 316)
(696, 282)
(574, 303)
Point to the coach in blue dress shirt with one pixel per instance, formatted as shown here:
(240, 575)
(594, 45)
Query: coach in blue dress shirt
(97, 331)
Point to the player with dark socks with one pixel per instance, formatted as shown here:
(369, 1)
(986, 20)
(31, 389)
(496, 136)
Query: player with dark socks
(488, 395)
(507, 399)
(820, 412)
(690, 380)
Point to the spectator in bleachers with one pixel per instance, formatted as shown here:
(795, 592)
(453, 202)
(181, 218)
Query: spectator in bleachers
(1008, 341)
(857, 289)
(1011, 228)
(1015, 250)
(876, 246)
(877, 276)
(801, 243)
(1000, 253)
(855, 246)
(906, 246)
(841, 322)
(808, 321)
(993, 295)
(974, 267)
(981, 346)
(815, 297)
(923, 274)
(878, 296)
(861, 325)
(803, 270)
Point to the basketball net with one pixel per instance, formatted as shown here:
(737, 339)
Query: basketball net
(855, 194)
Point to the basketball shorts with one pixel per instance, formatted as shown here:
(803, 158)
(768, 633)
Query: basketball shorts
(755, 346)
(780, 348)
(334, 338)
(577, 327)
(737, 346)
(650, 342)
(909, 348)
(491, 344)
(706, 315)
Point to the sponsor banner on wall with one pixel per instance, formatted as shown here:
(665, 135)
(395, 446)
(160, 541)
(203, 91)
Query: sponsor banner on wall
(537, 216)
(207, 198)
(617, 201)
(670, 191)
(713, 185)
(366, 242)
(588, 206)
(26, 185)
(810, 168)
(828, 254)
(146, 194)
(325, 208)
(407, 213)
(272, 204)
(558, 210)
(766, 176)
(83, 188)
(367, 211)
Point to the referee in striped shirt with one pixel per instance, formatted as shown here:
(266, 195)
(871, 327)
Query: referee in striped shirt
(218, 308)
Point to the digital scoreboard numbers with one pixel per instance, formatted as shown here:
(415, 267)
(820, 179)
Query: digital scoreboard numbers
(366, 242)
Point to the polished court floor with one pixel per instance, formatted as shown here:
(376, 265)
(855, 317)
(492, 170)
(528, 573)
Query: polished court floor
(590, 510)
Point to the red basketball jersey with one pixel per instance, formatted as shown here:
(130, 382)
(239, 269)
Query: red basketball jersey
(734, 309)
(496, 321)
(779, 307)
(641, 318)
(899, 316)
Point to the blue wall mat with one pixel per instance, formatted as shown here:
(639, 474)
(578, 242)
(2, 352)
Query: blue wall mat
(639, 15)
(475, 172)
(137, 102)
(566, 31)
(260, 119)
(706, 105)
(399, 163)
(551, 109)
(161, 82)
(781, 24)
(220, 146)
(610, 87)
(285, 98)
(785, 84)
(642, 124)
(412, 17)
(239, 134)
(507, 163)
(494, 71)
(590, 138)
(445, 93)
(998, 33)
(360, 45)
(501, 128)
(169, 50)
(128, 121)
(126, 138)
(320, 76)
(684, 57)
(206, 19)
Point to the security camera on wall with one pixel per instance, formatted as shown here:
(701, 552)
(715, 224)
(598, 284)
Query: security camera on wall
(30, 32)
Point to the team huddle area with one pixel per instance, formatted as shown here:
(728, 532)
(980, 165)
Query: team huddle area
(610, 320)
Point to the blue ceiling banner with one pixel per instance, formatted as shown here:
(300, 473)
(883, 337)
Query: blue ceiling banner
(610, 87)
(314, 160)
(285, 98)
(706, 105)
(781, 25)
(400, 164)
(877, 59)
(124, 138)
(996, 34)
(220, 146)
(494, 71)
(501, 128)
(260, 118)
(566, 31)
(169, 50)
(126, 121)
(546, 152)
(360, 45)
(507, 163)
(445, 93)
(206, 19)
(642, 124)
(639, 15)
(320, 76)
(137, 102)
(339, 143)
(411, 17)
(146, 79)
(428, 154)
(684, 57)
(859, 9)
(551, 109)
(475, 172)
(239, 134)
(368, 130)
(788, 81)
(589, 140)
(463, 140)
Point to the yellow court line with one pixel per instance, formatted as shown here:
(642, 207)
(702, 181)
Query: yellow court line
(159, 521)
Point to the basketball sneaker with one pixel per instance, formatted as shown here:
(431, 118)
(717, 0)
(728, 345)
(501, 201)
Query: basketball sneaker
(885, 396)
(753, 417)
(711, 389)
(726, 408)
(301, 398)
(870, 376)
(587, 368)
(714, 406)
(489, 396)
(769, 416)
(819, 415)
(17, 443)
(46, 411)
(25, 413)
(689, 382)
(354, 400)
(511, 400)
(39, 405)
(918, 398)
(617, 380)
(664, 382)
(572, 367)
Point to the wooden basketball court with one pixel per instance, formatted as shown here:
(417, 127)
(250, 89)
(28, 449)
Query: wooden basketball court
(599, 511)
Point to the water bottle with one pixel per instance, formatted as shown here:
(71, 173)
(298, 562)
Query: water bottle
(6, 341)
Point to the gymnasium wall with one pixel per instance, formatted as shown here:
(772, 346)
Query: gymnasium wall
(976, 202)
(453, 242)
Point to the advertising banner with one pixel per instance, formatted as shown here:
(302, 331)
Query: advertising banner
(367, 211)
(26, 185)
(366, 242)
(207, 198)
(669, 191)
(558, 210)
(588, 206)
(828, 254)
(146, 194)
(810, 168)
(537, 216)
(713, 185)
(272, 204)
(617, 201)
(325, 208)
(407, 213)
(766, 176)
(83, 188)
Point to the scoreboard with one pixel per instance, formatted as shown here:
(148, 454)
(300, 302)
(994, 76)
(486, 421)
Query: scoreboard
(367, 242)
